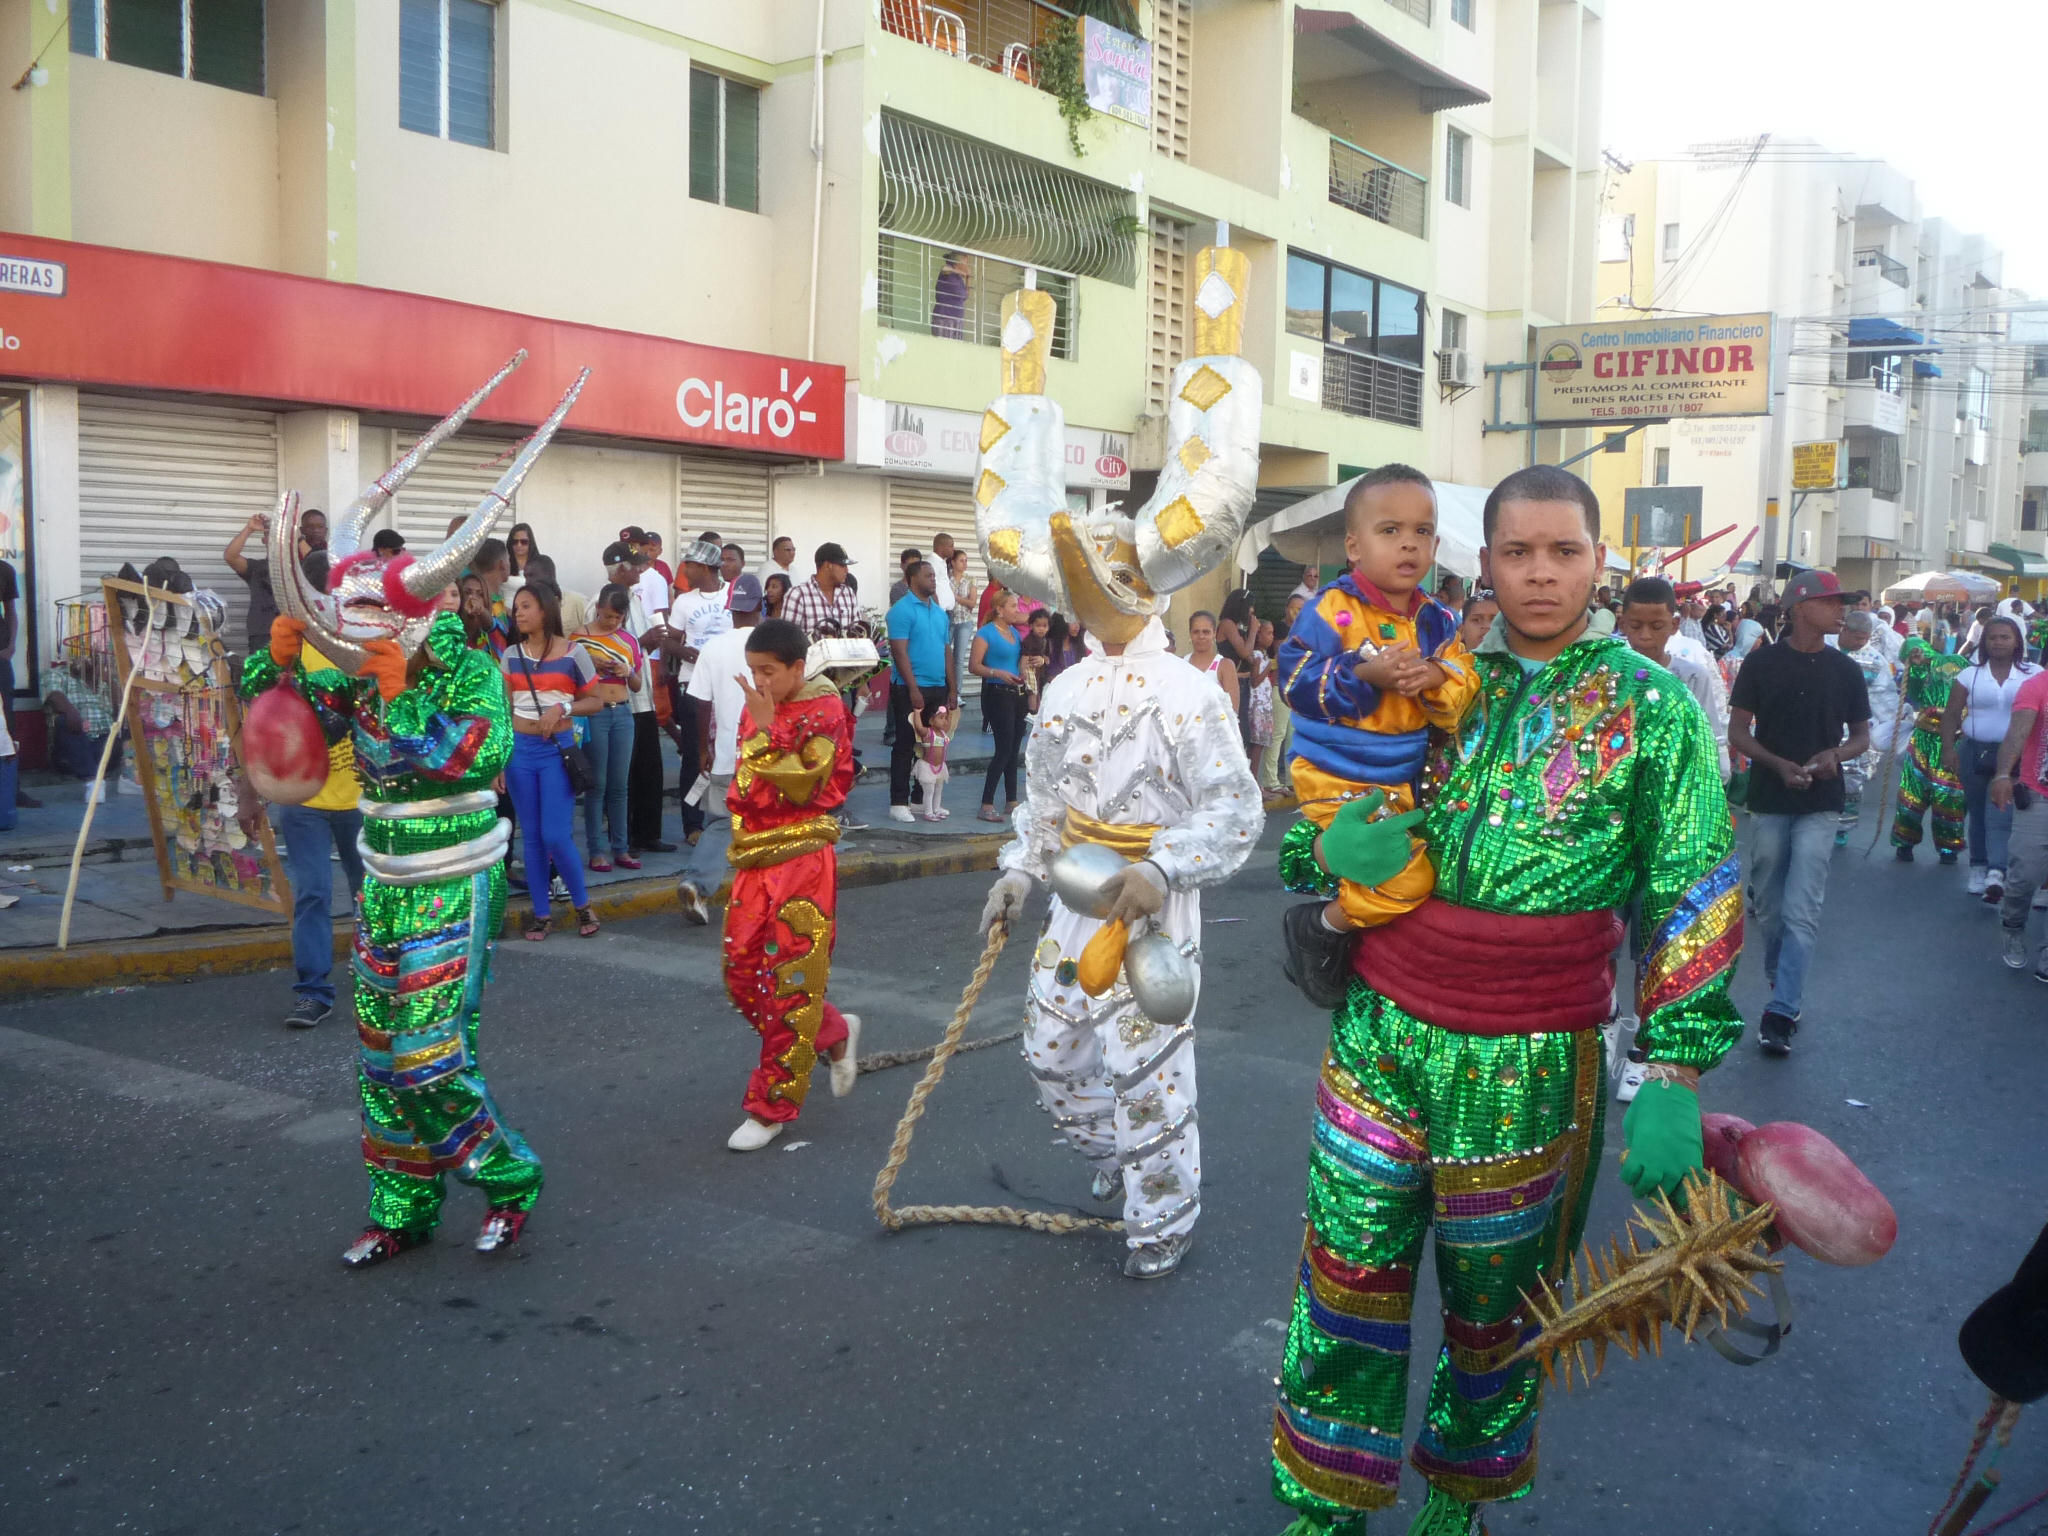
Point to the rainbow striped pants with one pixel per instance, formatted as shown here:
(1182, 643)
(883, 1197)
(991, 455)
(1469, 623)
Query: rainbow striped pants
(1489, 1142)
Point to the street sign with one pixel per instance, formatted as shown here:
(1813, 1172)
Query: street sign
(1653, 370)
(1661, 516)
(1813, 466)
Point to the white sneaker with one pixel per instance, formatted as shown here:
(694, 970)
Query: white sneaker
(1994, 887)
(846, 1070)
(2016, 951)
(901, 813)
(1978, 875)
(695, 909)
(753, 1135)
(1620, 1032)
(1633, 1072)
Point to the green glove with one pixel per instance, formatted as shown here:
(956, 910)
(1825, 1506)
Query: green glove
(1366, 852)
(1664, 1142)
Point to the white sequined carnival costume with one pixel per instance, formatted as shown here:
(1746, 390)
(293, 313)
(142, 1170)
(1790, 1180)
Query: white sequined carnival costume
(1138, 741)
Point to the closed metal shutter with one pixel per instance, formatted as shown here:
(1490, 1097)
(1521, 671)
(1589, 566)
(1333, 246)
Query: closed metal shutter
(156, 478)
(720, 494)
(1166, 310)
(919, 510)
(1173, 63)
(449, 484)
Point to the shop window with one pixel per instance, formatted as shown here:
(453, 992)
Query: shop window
(958, 295)
(448, 69)
(216, 42)
(725, 141)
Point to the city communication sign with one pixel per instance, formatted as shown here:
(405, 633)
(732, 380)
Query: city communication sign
(1813, 466)
(1661, 516)
(1653, 370)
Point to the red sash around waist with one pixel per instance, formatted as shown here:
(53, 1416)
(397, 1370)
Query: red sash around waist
(1494, 973)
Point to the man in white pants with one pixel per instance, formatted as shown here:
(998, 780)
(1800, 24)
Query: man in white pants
(1137, 751)
(1134, 750)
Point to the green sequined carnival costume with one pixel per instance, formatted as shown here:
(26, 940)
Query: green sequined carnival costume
(1925, 784)
(433, 899)
(1477, 1108)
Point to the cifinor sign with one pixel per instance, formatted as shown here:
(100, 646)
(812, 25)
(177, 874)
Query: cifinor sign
(928, 440)
(136, 320)
(1653, 370)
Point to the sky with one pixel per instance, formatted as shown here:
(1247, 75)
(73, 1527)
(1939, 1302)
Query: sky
(1952, 92)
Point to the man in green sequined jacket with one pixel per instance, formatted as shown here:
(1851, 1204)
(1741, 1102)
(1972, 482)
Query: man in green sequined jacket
(1464, 1086)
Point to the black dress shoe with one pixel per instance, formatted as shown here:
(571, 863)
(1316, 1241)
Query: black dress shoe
(1317, 960)
(657, 846)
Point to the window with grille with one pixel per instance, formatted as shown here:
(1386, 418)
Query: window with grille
(216, 42)
(956, 295)
(1461, 13)
(1671, 242)
(1371, 332)
(725, 141)
(448, 69)
(1458, 168)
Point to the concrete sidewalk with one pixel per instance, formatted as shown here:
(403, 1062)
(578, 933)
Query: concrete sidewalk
(122, 928)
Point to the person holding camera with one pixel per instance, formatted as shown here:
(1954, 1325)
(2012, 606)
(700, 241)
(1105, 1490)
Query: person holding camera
(2017, 785)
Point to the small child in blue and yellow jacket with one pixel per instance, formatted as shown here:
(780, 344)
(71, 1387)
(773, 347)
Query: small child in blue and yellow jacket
(1367, 669)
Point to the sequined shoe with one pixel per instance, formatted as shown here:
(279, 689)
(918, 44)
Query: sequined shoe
(1107, 1184)
(1442, 1515)
(1317, 960)
(1155, 1261)
(501, 1229)
(378, 1244)
(1326, 1525)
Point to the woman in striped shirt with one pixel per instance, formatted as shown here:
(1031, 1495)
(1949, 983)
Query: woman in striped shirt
(548, 680)
(615, 653)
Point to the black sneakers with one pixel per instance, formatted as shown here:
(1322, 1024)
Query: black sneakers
(308, 1013)
(1774, 1032)
(1317, 961)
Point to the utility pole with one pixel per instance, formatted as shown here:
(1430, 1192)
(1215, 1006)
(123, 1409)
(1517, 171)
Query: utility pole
(1778, 452)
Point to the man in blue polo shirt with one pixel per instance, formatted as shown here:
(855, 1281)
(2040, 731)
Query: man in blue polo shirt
(924, 669)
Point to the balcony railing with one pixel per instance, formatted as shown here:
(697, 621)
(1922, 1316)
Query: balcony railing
(998, 35)
(1419, 9)
(1889, 268)
(921, 292)
(1359, 385)
(1361, 181)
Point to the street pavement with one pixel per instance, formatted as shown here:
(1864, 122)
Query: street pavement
(689, 1340)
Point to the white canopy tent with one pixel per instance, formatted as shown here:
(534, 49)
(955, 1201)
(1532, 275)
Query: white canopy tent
(1311, 532)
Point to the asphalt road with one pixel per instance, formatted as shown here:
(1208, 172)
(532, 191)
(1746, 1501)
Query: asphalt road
(694, 1341)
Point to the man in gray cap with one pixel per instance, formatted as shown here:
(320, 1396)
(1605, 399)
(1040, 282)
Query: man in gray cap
(717, 703)
(697, 614)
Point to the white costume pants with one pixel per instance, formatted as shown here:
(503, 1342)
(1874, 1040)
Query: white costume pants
(1120, 1088)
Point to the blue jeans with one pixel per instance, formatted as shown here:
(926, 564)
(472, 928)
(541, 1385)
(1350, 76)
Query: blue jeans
(547, 818)
(10, 768)
(706, 866)
(306, 833)
(1990, 828)
(611, 760)
(1788, 872)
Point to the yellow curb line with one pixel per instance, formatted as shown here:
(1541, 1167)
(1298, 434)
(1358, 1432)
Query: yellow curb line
(181, 957)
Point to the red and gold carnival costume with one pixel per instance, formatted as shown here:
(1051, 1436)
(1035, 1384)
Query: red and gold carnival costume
(780, 920)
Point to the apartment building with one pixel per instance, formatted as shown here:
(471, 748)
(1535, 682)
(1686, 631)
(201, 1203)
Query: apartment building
(259, 244)
(1895, 342)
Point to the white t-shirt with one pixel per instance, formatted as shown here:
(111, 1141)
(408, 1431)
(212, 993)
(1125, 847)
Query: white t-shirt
(943, 586)
(640, 700)
(699, 615)
(719, 664)
(654, 593)
(1990, 701)
(770, 568)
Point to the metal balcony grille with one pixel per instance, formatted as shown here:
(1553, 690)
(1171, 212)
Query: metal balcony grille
(950, 190)
(1359, 385)
(1890, 269)
(910, 298)
(1361, 181)
(1419, 9)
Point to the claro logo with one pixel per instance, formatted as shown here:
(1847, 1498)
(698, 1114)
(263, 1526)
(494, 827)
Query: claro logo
(9, 343)
(710, 403)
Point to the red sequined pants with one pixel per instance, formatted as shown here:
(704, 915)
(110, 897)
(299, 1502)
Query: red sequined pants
(779, 927)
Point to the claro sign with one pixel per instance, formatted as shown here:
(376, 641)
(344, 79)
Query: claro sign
(1654, 370)
(87, 314)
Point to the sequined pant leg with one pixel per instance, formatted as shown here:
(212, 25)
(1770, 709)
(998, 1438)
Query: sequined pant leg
(422, 958)
(1065, 1057)
(1494, 1139)
(1924, 786)
(779, 927)
(1158, 1143)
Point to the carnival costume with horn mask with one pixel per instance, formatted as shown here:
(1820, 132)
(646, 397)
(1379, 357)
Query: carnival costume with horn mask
(1137, 792)
(431, 732)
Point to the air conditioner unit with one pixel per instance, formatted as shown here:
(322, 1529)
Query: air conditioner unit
(1454, 366)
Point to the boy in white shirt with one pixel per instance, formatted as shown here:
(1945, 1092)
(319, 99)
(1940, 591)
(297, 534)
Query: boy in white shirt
(718, 702)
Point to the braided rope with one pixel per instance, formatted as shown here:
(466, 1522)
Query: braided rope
(894, 1219)
(1978, 1438)
(882, 1061)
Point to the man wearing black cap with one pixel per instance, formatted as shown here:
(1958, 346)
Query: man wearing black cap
(825, 605)
(643, 777)
(1799, 712)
